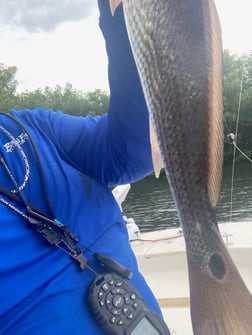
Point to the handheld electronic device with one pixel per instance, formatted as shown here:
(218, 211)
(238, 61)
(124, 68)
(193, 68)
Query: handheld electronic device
(120, 309)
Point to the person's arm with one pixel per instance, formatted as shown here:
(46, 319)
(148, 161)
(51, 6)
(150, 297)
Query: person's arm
(128, 123)
(114, 148)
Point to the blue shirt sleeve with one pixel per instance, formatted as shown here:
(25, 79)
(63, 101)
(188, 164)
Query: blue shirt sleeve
(128, 114)
(114, 148)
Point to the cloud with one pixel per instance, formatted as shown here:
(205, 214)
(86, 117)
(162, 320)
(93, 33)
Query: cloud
(43, 15)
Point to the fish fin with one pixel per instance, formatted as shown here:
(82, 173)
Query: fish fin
(215, 108)
(113, 5)
(220, 302)
(225, 305)
(155, 151)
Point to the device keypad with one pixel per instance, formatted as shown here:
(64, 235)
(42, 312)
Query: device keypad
(116, 298)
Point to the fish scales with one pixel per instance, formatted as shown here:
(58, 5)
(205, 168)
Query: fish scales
(178, 52)
(173, 88)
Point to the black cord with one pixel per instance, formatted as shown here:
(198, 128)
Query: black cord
(50, 228)
(39, 165)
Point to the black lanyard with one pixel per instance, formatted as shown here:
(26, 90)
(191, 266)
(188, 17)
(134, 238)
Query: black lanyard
(55, 232)
(38, 162)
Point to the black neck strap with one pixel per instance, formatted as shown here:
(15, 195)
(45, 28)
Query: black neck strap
(39, 165)
(55, 232)
(17, 199)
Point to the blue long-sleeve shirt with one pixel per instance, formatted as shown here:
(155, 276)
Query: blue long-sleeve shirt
(42, 290)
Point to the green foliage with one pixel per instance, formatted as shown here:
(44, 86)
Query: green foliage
(8, 86)
(237, 70)
(238, 97)
(65, 99)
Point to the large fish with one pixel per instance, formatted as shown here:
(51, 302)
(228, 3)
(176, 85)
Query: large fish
(178, 51)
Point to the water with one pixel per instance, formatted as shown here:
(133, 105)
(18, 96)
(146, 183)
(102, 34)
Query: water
(151, 205)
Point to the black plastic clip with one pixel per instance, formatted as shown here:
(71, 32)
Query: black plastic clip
(60, 236)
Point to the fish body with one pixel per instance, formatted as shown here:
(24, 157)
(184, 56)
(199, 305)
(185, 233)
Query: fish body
(178, 52)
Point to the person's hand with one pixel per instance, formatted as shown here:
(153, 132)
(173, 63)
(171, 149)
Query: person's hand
(113, 5)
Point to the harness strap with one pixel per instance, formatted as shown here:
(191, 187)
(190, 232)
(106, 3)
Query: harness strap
(52, 230)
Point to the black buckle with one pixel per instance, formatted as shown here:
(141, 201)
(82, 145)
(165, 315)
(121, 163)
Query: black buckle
(57, 234)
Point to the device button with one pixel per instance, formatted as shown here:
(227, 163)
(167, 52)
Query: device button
(101, 303)
(135, 305)
(105, 287)
(115, 311)
(118, 284)
(133, 296)
(118, 301)
(117, 291)
(100, 294)
(127, 300)
(113, 319)
(109, 300)
(130, 316)
(125, 309)
(120, 322)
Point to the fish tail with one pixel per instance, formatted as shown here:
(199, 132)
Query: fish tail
(225, 304)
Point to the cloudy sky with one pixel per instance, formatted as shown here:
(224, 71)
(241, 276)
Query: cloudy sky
(54, 42)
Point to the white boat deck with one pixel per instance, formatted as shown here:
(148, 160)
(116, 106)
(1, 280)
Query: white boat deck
(162, 260)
